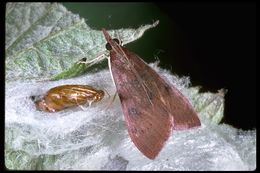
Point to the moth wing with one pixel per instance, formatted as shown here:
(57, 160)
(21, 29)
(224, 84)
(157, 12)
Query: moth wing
(165, 95)
(184, 116)
(151, 106)
(149, 125)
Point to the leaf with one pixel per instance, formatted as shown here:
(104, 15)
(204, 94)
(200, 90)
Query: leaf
(209, 105)
(75, 70)
(44, 40)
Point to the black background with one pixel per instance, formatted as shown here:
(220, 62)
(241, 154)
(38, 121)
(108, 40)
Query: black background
(220, 51)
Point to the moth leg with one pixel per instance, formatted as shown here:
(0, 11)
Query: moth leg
(93, 61)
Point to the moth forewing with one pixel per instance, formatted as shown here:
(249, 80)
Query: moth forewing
(151, 106)
(121, 56)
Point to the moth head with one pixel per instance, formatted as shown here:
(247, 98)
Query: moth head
(111, 43)
(115, 40)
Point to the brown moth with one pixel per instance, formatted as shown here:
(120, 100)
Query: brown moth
(152, 107)
(64, 96)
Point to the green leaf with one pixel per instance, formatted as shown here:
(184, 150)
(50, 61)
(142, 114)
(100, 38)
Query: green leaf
(210, 106)
(44, 40)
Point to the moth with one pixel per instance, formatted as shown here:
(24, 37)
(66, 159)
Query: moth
(65, 96)
(152, 107)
